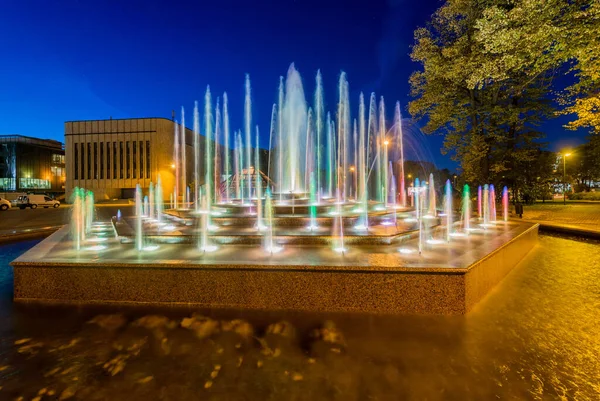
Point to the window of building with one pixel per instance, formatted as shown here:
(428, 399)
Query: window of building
(141, 172)
(128, 160)
(147, 159)
(58, 159)
(101, 160)
(76, 161)
(33, 183)
(114, 176)
(134, 159)
(89, 161)
(108, 160)
(95, 161)
(121, 165)
(8, 184)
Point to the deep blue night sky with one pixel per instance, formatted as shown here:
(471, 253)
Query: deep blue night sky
(71, 60)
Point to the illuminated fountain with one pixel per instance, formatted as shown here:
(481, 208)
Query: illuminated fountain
(330, 211)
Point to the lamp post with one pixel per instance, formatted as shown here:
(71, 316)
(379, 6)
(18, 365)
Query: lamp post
(565, 155)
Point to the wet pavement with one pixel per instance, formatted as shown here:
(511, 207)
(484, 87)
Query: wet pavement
(536, 336)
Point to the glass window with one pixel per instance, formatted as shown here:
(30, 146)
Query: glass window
(114, 176)
(95, 175)
(89, 161)
(101, 160)
(33, 183)
(82, 156)
(147, 159)
(134, 159)
(121, 159)
(76, 160)
(108, 160)
(141, 172)
(128, 160)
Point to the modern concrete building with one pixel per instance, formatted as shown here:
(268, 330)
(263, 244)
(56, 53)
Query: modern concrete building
(110, 157)
(31, 165)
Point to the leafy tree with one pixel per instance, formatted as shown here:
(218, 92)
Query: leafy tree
(487, 110)
(536, 36)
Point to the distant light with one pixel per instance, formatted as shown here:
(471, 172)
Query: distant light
(435, 241)
(386, 143)
(173, 165)
(150, 248)
(406, 250)
(340, 250)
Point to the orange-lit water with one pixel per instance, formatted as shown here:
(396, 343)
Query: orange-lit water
(536, 336)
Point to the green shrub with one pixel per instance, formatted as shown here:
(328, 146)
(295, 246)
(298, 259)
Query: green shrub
(591, 196)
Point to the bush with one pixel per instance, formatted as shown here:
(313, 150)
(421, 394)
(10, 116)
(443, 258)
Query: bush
(590, 196)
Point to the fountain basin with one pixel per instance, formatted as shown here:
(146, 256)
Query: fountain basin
(445, 279)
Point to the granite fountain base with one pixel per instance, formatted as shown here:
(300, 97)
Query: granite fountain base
(447, 278)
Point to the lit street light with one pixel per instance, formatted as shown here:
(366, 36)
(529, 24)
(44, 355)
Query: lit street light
(565, 155)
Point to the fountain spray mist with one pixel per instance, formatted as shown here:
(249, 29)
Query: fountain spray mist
(505, 203)
(196, 156)
(139, 241)
(448, 209)
(247, 130)
(258, 185)
(466, 208)
(183, 161)
(208, 124)
(479, 200)
(319, 111)
(226, 151)
(492, 199)
(432, 197)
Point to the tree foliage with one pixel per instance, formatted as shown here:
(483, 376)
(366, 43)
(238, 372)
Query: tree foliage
(487, 110)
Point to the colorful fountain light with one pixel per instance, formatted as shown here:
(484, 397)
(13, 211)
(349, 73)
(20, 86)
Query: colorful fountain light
(486, 205)
(448, 209)
(492, 199)
(505, 203)
(479, 200)
(466, 208)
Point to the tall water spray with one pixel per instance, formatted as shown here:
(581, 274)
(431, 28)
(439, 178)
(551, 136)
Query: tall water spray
(383, 145)
(139, 242)
(77, 218)
(89, 211)
(319, 116)
(448, 209)
(492, 199)
(432, 197)
(479, 202)
(182, 135)
(217, 156)
(312, 208)
(226, 151)
(177, 165)
(486, 205)
(280, 144)
(247, 130)
(208, 173)
(505, 203)
(400, 144)
(466, 208)
(159, 200)
(362, 155)
(268, 244)
(291, 146)
(338, 225)
(151, 201)
(196, 157)
(258, 185)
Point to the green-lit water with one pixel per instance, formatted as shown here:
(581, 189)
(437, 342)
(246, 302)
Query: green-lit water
(536, 336)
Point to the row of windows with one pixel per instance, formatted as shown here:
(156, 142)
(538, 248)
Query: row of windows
(34, 183)
(124, 159)
(8, 184)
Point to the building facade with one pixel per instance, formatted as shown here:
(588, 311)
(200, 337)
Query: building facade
(31, 165)
(110, 157)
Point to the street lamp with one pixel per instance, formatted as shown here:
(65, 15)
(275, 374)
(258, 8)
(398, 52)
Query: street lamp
(565, 155)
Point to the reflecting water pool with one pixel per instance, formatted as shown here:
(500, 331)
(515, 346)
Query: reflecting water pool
(536, 336)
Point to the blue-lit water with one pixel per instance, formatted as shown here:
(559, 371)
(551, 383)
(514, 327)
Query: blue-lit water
(536, 336)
